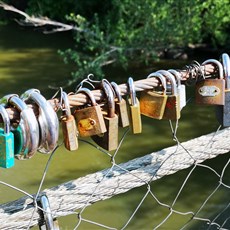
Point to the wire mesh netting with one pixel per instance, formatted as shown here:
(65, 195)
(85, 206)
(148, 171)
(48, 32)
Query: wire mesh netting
(195, 197)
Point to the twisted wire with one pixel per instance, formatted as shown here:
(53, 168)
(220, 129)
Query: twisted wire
(192, 71)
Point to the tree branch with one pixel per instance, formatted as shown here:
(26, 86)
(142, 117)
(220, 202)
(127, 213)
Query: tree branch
(39, 21)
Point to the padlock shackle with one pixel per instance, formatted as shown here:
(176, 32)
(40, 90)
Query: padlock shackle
(110, 97)
(226, 67)
(218, 64)
(117, 91)
(28, 93)
(47, 120)
(14, 100)
(177, 76)
(65, 104)
(29, 125)
(172, 80)
(47, 213)
(161, 78)
(5, 118)
(132, 91)
(89, 94)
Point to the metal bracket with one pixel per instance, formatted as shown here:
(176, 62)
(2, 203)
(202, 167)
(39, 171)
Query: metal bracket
(209, 91)
(47, 222)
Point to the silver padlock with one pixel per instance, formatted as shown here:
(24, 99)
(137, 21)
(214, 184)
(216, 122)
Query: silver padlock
(28, 124)
(47, 120)
(180, 88)
(223, 111)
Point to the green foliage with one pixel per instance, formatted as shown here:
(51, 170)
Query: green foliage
(141, 30)
(135, 30)
(50, 8)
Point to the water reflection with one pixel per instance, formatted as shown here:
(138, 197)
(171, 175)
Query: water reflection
(29, 59)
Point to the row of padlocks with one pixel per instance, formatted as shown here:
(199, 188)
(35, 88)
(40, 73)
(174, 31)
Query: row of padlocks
(40, 132)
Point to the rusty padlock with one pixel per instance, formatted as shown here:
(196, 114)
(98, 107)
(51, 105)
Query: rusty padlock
(69, 128)
(211, 91)
(120, 107)
(172, 108)
(109, 139)
(89, 119)
(152, 103)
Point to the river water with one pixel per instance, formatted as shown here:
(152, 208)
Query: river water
(29, 59)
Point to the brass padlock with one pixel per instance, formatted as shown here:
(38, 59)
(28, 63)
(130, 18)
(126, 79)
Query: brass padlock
(69, 128)
(172, 108)
(89, 119)
(223, 111)
(109, 139)
(120, 107)
(211, 91)
(152, 103)
(135, 113)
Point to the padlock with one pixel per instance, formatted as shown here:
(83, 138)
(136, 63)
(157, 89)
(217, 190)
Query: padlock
(109, 139)
(152, 103)
(89, 119)
(120, 107)
(180, 88)
(211, 91)
(69, 128)
(18, 132)
(29, 125)
(6, 141)
(134, 105)
(223, 111)
(172, 108)
(47, 120)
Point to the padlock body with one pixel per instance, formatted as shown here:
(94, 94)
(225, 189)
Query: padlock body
(122, 112)
(152, 104)
(172, 108)
(109, 139)
(210, 92)
(135, 117)
(6, 149)
(69, 130)
(18, 140)
(90, 121)
(226, 109)
(182, 95)
(223, 111)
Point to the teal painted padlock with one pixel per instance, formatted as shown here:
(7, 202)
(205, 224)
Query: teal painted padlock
(18, 139)
(6, 141)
